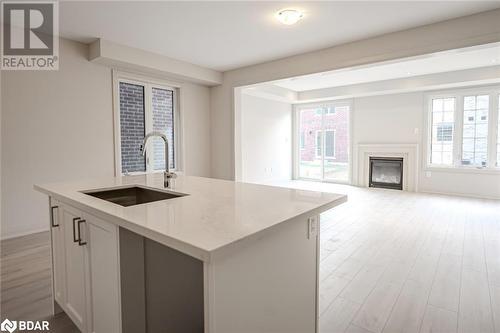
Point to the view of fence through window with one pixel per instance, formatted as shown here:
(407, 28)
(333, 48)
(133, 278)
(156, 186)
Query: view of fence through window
(324, 146)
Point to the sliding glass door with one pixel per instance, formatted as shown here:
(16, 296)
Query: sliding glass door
(323, 141)
(310, 150)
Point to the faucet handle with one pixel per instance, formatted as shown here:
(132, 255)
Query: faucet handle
(168, 179)
(170, 175)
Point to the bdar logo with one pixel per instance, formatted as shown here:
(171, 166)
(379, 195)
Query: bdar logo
(8, 326)
(24, 325)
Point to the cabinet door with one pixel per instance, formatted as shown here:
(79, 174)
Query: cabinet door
(102, 239)
(58, 252)
(76, 292)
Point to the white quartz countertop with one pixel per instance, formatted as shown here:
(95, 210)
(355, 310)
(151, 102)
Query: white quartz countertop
(214, 214)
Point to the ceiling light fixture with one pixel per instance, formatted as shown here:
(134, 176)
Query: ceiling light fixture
(289, 16)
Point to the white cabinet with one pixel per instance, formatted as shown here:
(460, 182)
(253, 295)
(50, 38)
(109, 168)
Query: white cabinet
(76, 268)
(86, 269)
(104, 275)
(58, 257)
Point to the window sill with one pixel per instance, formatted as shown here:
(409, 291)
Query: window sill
(138, 173)
(471, 170)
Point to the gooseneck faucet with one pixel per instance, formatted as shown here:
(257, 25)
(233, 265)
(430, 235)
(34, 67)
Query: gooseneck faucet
(167, 175)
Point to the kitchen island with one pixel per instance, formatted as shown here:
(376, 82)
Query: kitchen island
(205, 255)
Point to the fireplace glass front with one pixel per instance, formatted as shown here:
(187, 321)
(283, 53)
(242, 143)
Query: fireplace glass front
(386, 172)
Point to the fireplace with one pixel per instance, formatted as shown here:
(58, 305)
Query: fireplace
(386, 172)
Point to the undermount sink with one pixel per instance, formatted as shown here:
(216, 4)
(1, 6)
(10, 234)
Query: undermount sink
(133, 195)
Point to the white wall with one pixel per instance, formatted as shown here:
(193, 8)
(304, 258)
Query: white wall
(399, 119)
(195, 110)
(58, 126)
(388, 119)
(456, 33)
(266, 134)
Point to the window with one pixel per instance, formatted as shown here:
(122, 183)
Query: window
(330, 110)
(302, 140)
(132, 126)
(445, 132)
(460, 128)
(144, 107)
(329, 144)
(443, 110)
(475, 130)
(163, 121)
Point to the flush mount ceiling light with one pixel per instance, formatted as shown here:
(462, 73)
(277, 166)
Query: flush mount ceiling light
(289, 16)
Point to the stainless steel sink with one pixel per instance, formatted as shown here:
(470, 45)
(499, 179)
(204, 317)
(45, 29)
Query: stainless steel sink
(133, 195)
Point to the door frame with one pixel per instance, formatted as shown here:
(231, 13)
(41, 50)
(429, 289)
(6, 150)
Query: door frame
(296, 138)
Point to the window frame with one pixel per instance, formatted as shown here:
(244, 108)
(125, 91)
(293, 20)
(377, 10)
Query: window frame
(475, 138)
(454, 140)
(316, 132)
(323, 142)
(148, 83)
(493, 115)
(332, 157)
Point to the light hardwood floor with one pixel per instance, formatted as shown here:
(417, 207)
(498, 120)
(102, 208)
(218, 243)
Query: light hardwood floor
(395, 261)
(391, 262)
(25, 279)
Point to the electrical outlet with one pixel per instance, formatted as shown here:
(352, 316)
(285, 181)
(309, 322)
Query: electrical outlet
(312, 227)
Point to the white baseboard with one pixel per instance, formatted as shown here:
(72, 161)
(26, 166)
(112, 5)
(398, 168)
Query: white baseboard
(465, 195)
(5, 237)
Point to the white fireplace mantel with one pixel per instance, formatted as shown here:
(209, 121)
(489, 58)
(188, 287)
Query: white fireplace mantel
(408, 151)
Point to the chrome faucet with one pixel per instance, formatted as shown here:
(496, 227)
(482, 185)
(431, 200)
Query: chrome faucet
(167, 175)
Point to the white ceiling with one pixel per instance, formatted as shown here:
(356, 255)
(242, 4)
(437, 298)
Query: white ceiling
(227, 35)
(474, 57)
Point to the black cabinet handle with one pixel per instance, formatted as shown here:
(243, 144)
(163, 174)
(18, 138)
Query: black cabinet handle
(52, 216)
(74, 229)
(79, 234)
